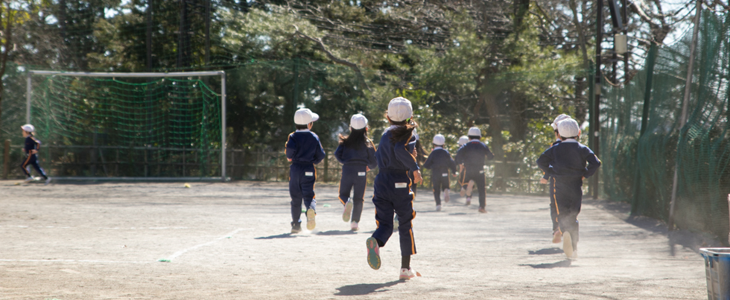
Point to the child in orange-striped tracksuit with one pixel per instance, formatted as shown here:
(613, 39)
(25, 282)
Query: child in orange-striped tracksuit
(357, 154)
(472, 155)
(32, 145)
(546, 180)
(568, 164)
(303, 150)
(392, 188)
(465, 186)
(440, 162)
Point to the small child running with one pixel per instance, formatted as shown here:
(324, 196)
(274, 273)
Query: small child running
(357, 154)
(440, 162)
(472, 155)
(565, 163)
(466, 186)
(392, 189)
(546, 180)
(32, 145)
(303, 150)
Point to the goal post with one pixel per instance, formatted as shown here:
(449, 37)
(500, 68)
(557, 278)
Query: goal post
(161, 75)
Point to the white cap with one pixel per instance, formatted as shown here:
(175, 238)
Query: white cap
(558, 119)
(439, 140)
(463, 140)
(399, 109)
(568, 128)
(474, 131)
(304, 116)
(358, 121)
(28, 128)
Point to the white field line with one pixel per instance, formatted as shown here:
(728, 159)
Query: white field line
(181, 252)
(75, 261)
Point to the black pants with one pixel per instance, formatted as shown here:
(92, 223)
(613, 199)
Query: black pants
(301, 189)
(440, 182)
(553, 205)
(32, 160)
(480, 181)
(353, 176)
(568, 196)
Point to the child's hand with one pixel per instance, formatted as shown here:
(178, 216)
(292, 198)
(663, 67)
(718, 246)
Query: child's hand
(289, 159)
(367, 169)
(417, 177)
(543, 181)
(33, 151)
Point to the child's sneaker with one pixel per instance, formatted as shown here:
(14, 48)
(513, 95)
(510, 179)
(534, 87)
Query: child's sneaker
(353, 226)
(373, 253)
(409, 273)
(348, 210)
(462, 192)
(468, 201)
(296, 227)
(483, 210)
(575, 255)
(29, 179)
(48, 180)
(311, 223)
(567, 245)
(469, 188)
(438, 207)
(557, 236)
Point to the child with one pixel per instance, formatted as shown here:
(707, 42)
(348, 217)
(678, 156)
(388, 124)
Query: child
(565, 163)
(440, 162)
(546, 180)
(357, 155)
(32, 145)
(466, 186)
(303, 150)
(472, 155)
(392, 189)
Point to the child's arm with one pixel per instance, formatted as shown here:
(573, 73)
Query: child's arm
(544, 162)
(372, 161)
(452, 165)
(488, 153)
(291, 148)
(338, 153)
(429, 161)
(593, 162)
(405, 156)
(319, 153)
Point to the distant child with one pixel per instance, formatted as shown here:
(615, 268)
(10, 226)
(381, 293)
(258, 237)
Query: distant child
(546, 180)
(32, 145)
(472, 155)
(303, 150)
(392, 189)
(440, 162)
(466, 186)
(357, 154)
(565, 163)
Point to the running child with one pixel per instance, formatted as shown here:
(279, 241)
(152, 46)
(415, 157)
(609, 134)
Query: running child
(565, 163)
(440, 162)
(557, 236)
(465, 186)
(357, 154)
(472, 155)
(303, 150)
(32, 145)
(392, 189)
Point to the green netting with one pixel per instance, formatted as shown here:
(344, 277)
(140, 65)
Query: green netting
(158, 127)
(640, 170)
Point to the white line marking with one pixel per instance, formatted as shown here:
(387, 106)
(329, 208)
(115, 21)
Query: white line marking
(75, 260)
(181, 252)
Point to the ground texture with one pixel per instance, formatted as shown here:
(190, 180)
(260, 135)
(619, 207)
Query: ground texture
(232, 241)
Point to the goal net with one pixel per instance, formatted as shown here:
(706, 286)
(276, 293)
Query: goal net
(129, 125)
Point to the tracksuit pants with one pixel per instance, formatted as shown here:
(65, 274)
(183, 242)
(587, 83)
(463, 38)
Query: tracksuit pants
(440, 182)
(353, 176)
(567, 195)
(478, 177)
(553, 205)
(32, 160)
(301, 188)
(393, 195)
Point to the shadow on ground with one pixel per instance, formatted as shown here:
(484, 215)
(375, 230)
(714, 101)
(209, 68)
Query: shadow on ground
(364, 288)
(278, 236)
(546, 251)
(560, 264)
(336, 232)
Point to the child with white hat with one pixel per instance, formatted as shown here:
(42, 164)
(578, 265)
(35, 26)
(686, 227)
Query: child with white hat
(357, 154)
(546, 180)
(32, 145)
(567, 164)
(392, 188)
(303, 150)
(466, 186)
(440, 162)
(472, 155)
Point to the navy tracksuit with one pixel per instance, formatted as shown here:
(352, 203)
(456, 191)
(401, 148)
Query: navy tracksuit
(32, 143)
(304, 150)
(392, 191)
(355, 162)
(440, 162)
(565, 163)
(551, 188)
(472, 155)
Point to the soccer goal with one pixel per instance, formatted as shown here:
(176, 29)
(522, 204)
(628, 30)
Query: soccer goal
(129, 126)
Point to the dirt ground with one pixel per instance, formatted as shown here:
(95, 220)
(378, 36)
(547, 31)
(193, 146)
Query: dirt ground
(232, 241)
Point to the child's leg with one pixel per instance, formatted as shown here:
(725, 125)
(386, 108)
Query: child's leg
(34, 163)
(553, 205)
(296, 193)
(24, 165)
(404, 209)
(383, 219)
(445, 186)
(481, 183)
(436, 183)
(346, 183)
(307, 186)
(358, 198)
